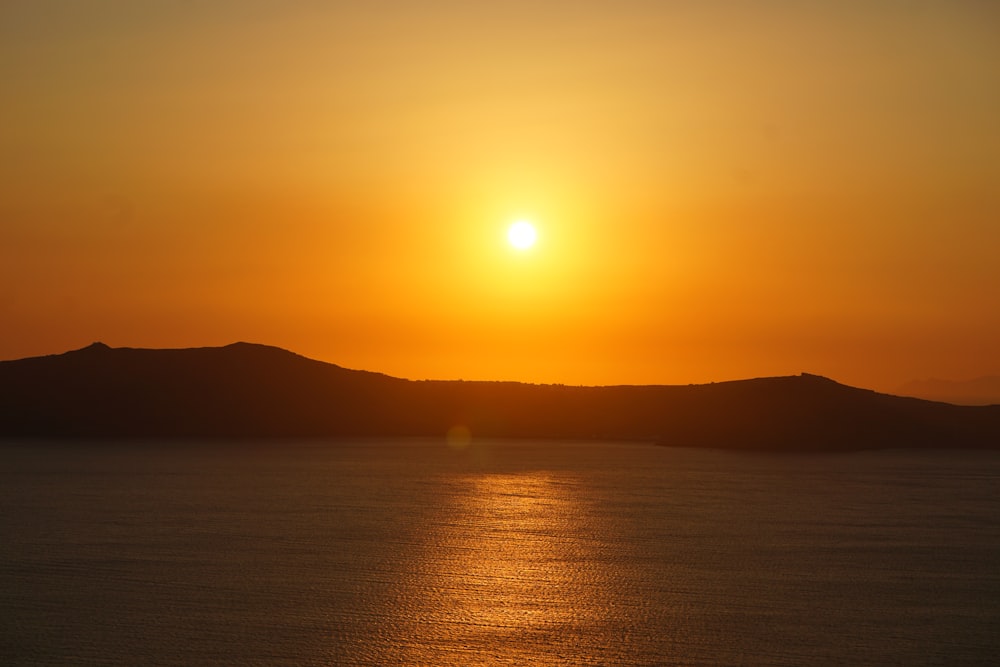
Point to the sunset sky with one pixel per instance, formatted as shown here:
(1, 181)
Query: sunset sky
(720, 189)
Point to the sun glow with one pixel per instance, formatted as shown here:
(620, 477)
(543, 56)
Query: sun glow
(522, 235)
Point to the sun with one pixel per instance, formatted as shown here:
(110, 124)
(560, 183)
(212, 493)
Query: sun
(522, 235)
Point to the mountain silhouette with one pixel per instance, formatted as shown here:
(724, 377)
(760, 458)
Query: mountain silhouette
(980, 391)
(249, 390)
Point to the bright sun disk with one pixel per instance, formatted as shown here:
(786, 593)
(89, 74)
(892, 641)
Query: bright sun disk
(522, 235)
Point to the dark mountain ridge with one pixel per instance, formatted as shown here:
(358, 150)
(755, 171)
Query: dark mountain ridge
(248, 390)
(979, 391)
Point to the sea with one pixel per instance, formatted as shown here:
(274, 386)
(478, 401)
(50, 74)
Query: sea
(494, 552)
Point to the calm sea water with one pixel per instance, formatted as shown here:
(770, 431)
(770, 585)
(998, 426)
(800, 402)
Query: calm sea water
(501, 553)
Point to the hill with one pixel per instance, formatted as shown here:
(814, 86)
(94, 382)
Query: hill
(980, 391)
(247, 390)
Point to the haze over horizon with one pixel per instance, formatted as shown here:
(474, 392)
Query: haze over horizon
(720, 191)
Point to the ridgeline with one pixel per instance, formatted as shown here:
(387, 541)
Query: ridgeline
(255, 391)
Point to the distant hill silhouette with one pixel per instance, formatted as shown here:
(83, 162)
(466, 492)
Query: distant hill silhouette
(981, 391)
(247, 390)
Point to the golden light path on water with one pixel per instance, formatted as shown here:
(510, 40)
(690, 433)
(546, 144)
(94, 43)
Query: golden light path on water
(509, 576)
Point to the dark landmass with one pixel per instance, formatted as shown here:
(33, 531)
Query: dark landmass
(981, 391)
(249, 391)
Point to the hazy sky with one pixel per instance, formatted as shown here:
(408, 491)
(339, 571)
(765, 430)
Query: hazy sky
(721, 189)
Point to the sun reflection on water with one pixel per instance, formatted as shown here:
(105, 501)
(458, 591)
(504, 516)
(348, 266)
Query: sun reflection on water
(515, 556)
(508, 576)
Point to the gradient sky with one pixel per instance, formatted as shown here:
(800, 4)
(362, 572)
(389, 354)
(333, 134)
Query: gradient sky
(721, 189)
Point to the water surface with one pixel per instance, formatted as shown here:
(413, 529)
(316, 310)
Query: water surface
(501, 553)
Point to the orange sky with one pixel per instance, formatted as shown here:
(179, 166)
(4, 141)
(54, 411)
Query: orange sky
(721, 189)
